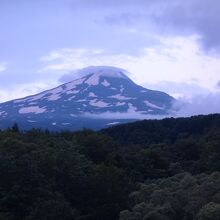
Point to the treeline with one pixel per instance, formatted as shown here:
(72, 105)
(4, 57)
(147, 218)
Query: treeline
(149, 170)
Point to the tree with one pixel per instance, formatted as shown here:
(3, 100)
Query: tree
(15, 128)
(211, 211)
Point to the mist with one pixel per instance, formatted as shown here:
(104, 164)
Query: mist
(182, 107)
(198, 105)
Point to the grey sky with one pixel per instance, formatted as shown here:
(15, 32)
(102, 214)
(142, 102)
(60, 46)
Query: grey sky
(156, 41)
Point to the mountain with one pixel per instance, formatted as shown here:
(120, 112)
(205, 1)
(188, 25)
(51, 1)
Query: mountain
(100, 97)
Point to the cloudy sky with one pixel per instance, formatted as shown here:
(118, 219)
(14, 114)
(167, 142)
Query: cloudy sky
(170, 45)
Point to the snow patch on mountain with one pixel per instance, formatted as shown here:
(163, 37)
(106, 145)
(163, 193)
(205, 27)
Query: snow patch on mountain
(56, 90)
(106, 83)
(131, 108)
(92, 94)
(98, 103)
(54, 97)
(149, 104)
(66, 123)
(32, 109)
(34, 98)
(122, 88)
(71, 98)
(72, 85)
(120, 97)
(120, 103)
(81, 100)
(31, 121)
(72, 92)
(93, 80)
(113, 123)
(29, 103)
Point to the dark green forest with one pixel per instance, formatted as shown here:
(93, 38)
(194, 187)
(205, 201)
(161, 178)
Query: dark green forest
(148, 170)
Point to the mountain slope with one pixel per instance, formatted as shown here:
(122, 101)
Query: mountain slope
(89, 101)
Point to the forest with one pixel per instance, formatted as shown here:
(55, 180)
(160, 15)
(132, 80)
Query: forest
(147, 170)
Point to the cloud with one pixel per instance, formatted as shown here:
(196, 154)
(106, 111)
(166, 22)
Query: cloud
(22, 90)
(177, 59)
(71, 59)
(120, 115)
(179, 89)
(171, 18)
(198, 105)
(77, 74)
(3, 67)
(218, 84)
(183, 107)
(196, 16)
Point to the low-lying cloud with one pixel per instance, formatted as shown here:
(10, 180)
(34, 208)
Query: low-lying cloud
(179, 89)
(198, 105)
(183, 107)
(122, 115)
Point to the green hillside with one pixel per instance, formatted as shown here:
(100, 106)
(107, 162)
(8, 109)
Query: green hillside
(149, 170)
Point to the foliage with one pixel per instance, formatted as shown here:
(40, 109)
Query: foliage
(182, 196)
(157, 169)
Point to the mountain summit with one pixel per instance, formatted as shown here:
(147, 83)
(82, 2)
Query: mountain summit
(104, 71)
(96, 99)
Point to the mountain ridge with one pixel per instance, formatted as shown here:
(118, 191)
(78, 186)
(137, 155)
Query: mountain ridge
(100, 90)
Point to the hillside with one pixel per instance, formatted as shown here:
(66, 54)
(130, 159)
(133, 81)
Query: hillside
(166, 130)
(170, 171)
